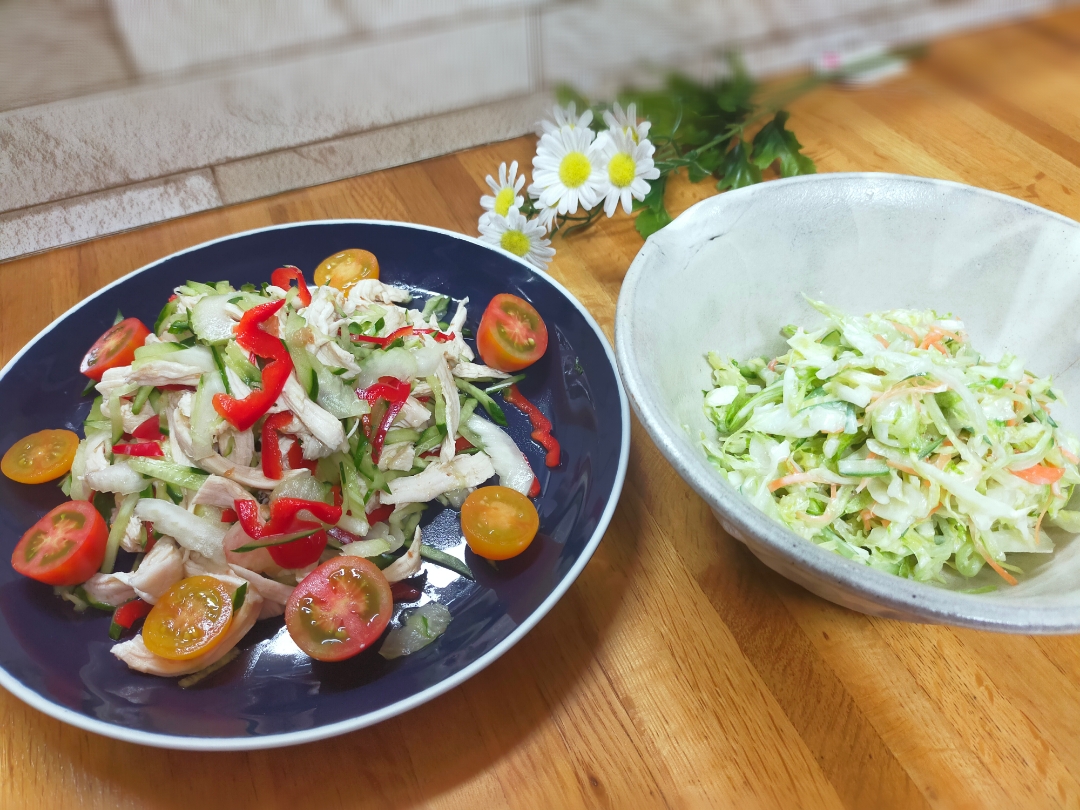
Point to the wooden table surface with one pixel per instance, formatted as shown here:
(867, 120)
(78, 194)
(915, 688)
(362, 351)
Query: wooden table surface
(677, 671)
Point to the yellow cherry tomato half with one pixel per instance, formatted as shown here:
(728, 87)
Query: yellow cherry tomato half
(191, 618)
(39, 457)
(498, 522)
(344, 269)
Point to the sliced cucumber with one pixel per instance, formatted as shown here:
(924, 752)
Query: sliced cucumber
(209, 321)
(862, 467)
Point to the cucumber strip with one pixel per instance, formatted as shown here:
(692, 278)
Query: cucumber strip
(220, 363)
(140, 399)
(862, 467)
(436, 305)
(90, 386)
(467, 410)
(429, 440)
(440, 401)
(502, 384)
(401, 435)
(277, 540)
(221, 663)
(238, 598)
(116, 532)
(492, 408)
(243, 368)
(440, 557)
(168, 471)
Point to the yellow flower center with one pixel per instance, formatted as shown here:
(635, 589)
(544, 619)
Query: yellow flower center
(621, 169)
(515, 242)
(574, 169)
(503, 200)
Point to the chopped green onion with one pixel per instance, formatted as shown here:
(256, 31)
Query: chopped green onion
(492, 408)
(440, 557)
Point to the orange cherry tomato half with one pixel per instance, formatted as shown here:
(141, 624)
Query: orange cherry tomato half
(39, 457)
(498, 522)
(65, 547)
(344, 269)
(115, 348)
(512, 334)
(339, 609)
(190, 618)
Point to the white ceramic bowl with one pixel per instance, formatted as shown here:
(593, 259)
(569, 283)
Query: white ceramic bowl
(728, 273)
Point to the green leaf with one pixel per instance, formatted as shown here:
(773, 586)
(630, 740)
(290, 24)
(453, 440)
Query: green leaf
(774, 142)
(649, 221)
(654, 200)
(737, 168)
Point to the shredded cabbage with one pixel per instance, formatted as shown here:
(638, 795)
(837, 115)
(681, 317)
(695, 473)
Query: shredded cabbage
(890, 440)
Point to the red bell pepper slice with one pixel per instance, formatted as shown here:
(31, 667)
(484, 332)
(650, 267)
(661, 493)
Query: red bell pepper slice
(405, 331)
(272, 462)
(144, 449)
(380, 514)
(283, 275)
(228, 516)
(394, 392)
(243, 413)
(149, 430)
(297, 461)
(126, 615)
(541, 425)
(461, 443)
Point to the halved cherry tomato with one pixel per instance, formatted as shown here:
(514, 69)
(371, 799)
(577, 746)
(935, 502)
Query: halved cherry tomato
(498, 522)
(115, 348)
(190, 618)
(299, 553)
(39, 457)
(65, 547)
(339, 609)
(344, 269)
(512, 334)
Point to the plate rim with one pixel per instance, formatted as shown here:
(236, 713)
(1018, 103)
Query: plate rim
(916, 600)
(180, 742)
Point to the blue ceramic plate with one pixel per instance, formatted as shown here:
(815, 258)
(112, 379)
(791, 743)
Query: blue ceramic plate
(58, 660)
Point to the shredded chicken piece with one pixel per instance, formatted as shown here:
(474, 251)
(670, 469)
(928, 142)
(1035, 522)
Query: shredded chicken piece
(372, 291)
(243, 446)
(413, 414)
(108, 589)
(135, 655)
(453, 409)
(117, 477)
(320, 423)
(476, 371)
(161, 568)
(440, 477)
(407, 566)
(165, 372)
(275, 595)
(397, 456)
(131, 540)
(220, 492)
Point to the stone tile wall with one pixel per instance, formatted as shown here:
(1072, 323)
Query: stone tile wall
(117, 113)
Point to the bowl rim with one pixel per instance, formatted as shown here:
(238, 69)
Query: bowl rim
(178, 742)
(920, 601)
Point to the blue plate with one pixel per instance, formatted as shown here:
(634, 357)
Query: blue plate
(58, 660)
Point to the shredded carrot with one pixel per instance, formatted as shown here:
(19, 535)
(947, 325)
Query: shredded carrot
(772, 364)
(948, 334)
(1038, 523)
(863, 484)
(928, 514)
(932, 337)
(881, 339)
(832, 491)
(872, 455)
(1068, 455)
(907, 330)
(1012, 423)
(897, 466)
(937, 345)
(1005, 575)
(796, 478)
(942, 461)
(866, 514)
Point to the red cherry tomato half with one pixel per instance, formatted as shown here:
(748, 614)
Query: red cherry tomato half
(339, 609)
(299, 553)
(115, 348)
(65, 547)
(512, 334)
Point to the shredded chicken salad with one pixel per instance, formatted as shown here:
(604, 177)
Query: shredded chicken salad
(890, 440)
(268, 451)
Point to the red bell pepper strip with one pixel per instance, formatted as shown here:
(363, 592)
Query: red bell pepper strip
(541, 425)
(145, 449)
(395, 392)
(228, 516)
(297, 461)
(149, 430)
(380, 514)
(126, 615)
(271, 450)
(283, 275)
(243, 413)
(461, 443)
(403, 332)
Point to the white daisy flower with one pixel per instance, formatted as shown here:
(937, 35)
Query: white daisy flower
(627, 166)
(626, 120)
(565, 117)
(567, 172)
(519, 236)
(505, 192)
